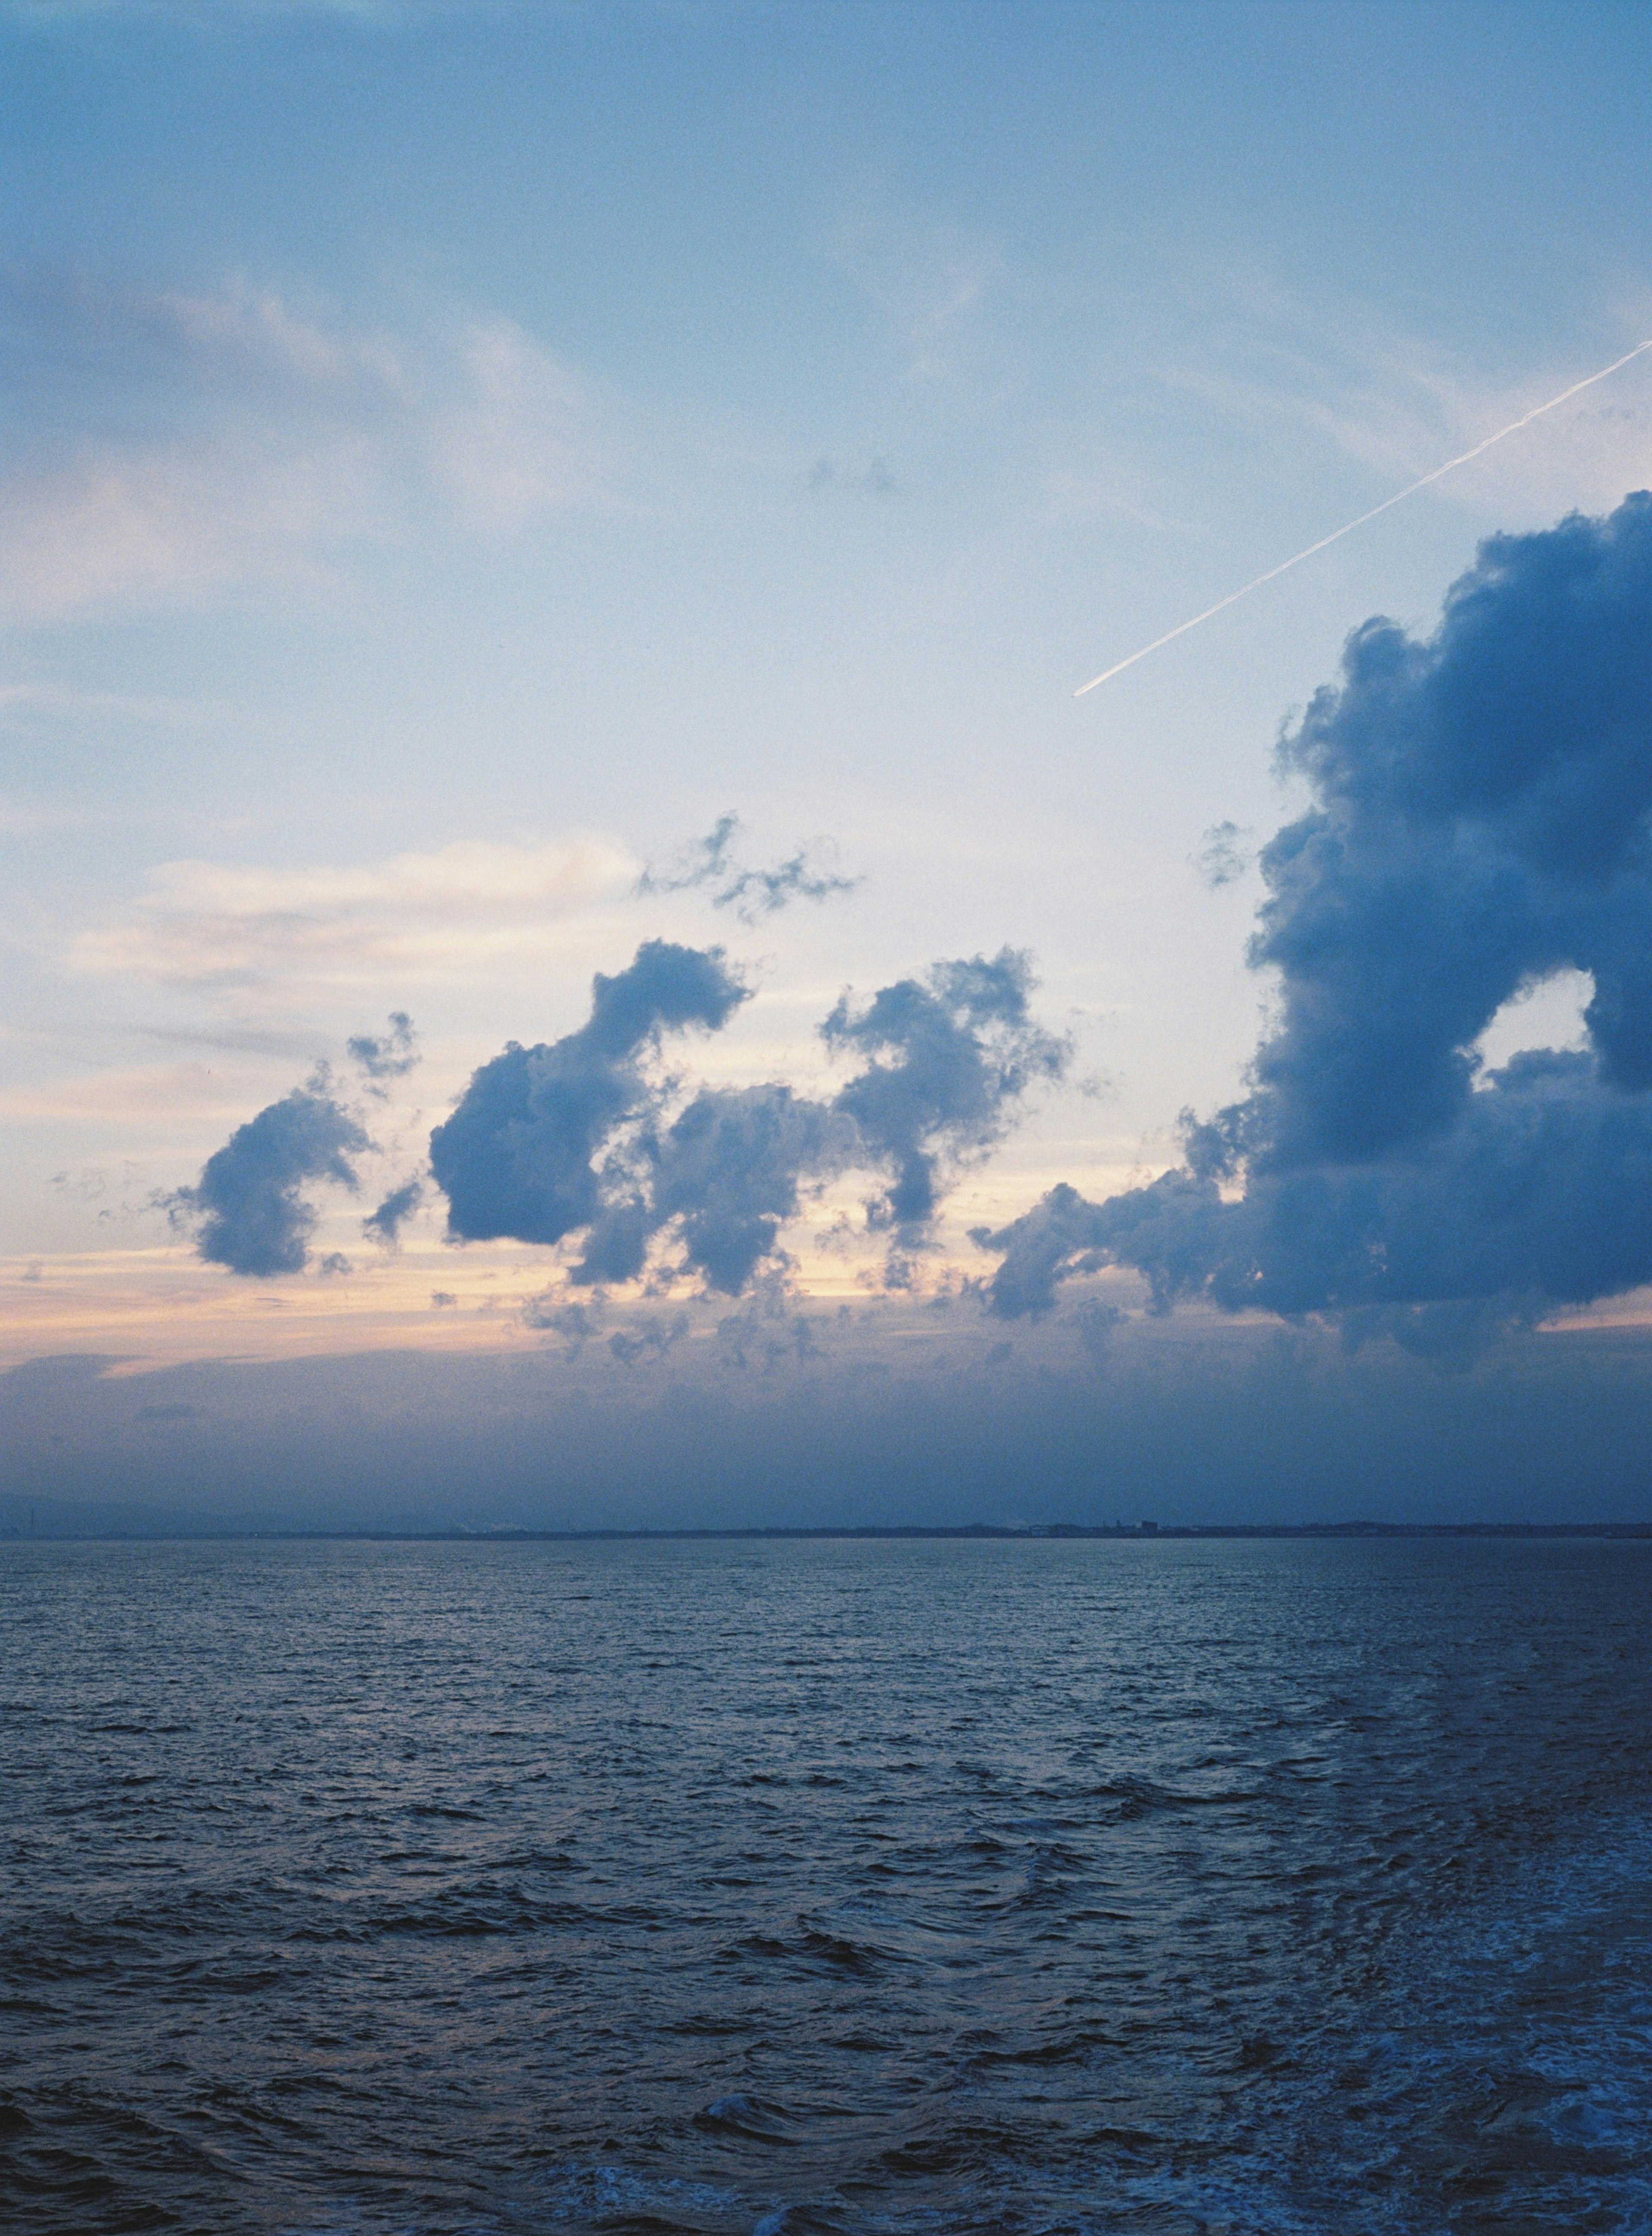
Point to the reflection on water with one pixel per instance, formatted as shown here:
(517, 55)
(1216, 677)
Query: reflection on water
(980, 1887)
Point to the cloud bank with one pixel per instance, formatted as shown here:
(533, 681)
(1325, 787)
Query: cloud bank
(891, 1417)
(1481, 821)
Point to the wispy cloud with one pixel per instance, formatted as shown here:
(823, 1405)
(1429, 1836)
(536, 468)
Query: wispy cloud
(708, 865)
(1400, 403)
(929, 280)
(473, 905)
(240, 437)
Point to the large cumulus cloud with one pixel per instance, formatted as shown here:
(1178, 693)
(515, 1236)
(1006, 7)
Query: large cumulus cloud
(1481, 819)
(578, 1138)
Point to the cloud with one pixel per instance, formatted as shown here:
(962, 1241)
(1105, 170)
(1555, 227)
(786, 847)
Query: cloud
(391, 1056)
(767, 1332)
(580, 1138)
(1093, 1322)
(708, 863)
(517, 1157)
(651, 1341)
(1223, 856)
(385, 1225)
(247, 1209)
(930, 282)
(170, 445)
(951, 1054)
(1307, 368)
(468, 907)
(515, 444)
(730, 1170)
(576, 1323)
(1482, 821)
(870, 476)
(1201, 1422)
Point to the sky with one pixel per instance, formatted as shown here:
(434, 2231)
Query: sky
(572, 958)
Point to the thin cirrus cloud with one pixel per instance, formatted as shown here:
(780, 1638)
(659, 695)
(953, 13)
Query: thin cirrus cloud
(471, 906)
(929, 282)
(243, 439)
(1398, 405)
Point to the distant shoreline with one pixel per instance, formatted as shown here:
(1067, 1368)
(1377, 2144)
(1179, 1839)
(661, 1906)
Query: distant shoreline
(1060, 1532)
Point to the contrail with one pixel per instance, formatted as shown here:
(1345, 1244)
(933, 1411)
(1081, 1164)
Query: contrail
(1388, 503)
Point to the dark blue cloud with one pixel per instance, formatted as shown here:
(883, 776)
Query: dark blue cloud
(1481, 819)
(951, 1053)
(386, 1056)
(574, 1139)
(730, 1169)
(247, 1210)
(517, 1158)
(385, 1225)
(1256, 1423)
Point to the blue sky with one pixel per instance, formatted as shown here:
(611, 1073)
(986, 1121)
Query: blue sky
(454, 454)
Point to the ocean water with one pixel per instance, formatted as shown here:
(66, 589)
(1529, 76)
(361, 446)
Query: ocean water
(1277, 1886)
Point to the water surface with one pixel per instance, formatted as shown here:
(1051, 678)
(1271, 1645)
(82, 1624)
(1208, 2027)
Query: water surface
(931, 1886)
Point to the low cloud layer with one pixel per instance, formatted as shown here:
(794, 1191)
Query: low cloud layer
(579, 1137)
(1482, 820)
(890, 1415)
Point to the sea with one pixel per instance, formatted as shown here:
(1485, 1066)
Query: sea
(1003, 1887)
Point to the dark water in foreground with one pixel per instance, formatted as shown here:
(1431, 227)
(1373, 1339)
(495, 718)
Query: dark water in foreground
(1279, 1887)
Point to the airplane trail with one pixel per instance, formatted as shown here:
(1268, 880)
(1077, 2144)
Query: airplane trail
(1387, 504)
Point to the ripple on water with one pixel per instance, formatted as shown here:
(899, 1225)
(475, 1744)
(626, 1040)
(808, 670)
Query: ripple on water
(1289, 1888)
